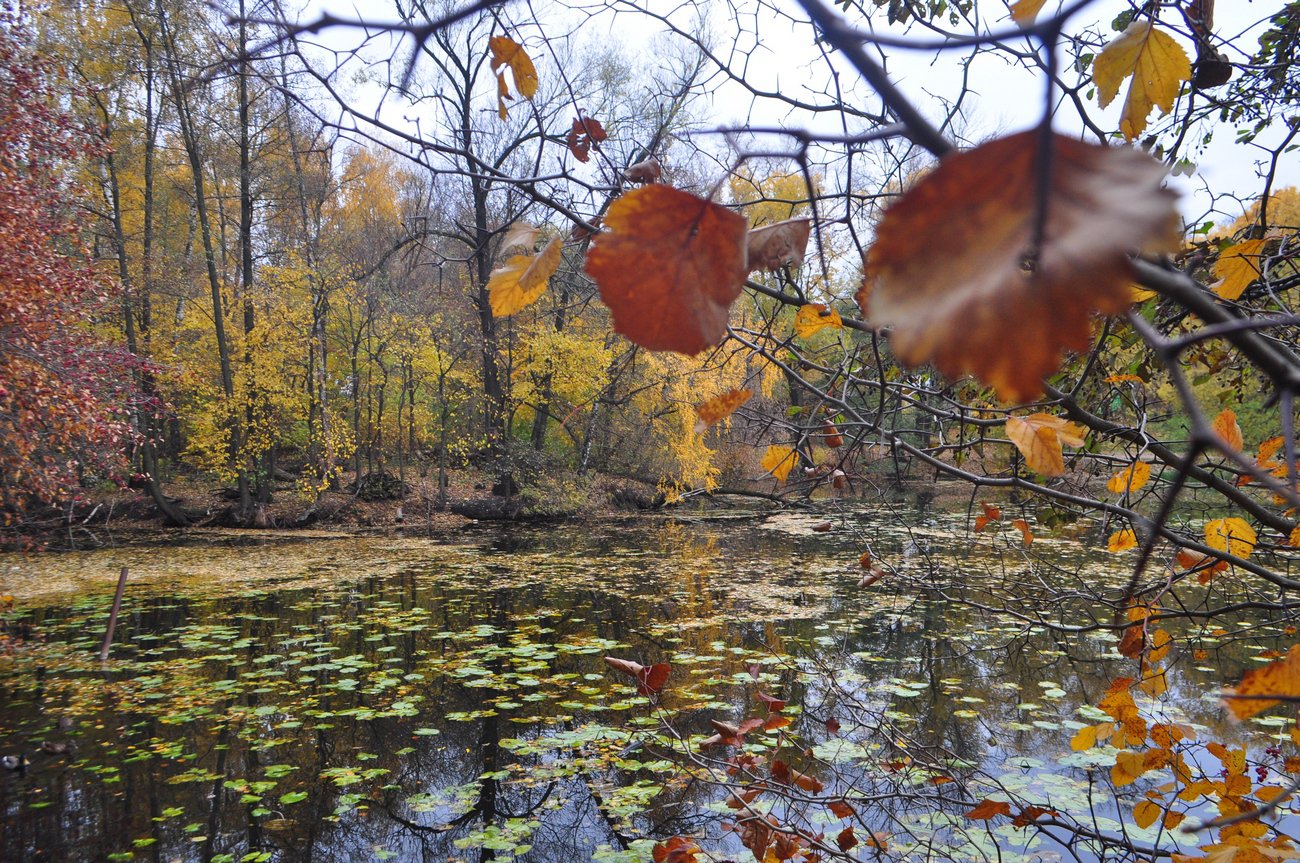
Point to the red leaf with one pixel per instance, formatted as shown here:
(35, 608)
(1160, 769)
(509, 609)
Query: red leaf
(841, 809)
(846, 840)
(987, 809)
(649, 680)
(585, 134)
(774, 705)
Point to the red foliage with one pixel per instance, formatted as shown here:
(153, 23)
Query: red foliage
(58, 383)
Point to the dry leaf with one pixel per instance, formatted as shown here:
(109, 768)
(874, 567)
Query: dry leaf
(523, 279)
(1025, 11)
(1226, 427)
(1122, 540)
(1026, 536)
(991, 514)
(1232, 535)
(813, 318)
(1158, 66)
(585, 134)
(1294, 539)
(669, 265)
(650, 679)
(787, 775)
(1146, 813)
(774, 246)
(1030, 814)
(948, 270)
(1277, 678)
(520, 234)
(1039, 438)
(646, 171)
(719, 408)
(1120, 379)
(507, 52)
(822, 527)
(841, 809)
(988, 809)
(845, 840)
(779, 461)
(1130, 479)
(1237, 267)
(832, 438)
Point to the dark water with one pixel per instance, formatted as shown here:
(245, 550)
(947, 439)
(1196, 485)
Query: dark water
(393, 698)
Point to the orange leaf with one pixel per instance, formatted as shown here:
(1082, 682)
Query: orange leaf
(1294, 539)
(649, 679)
(719, 408)
(1129, 479)
(988, 809)
(669, 266)
(1277, 678)
(1120, 379)
(846, 840)
(523, 279)
(1025, 11)
(991, 514)
(1146, 813)
(1226, 427)
(813, 318)
(1232, 535)
(774, 246)
(948, 273)
(647, 171)
(1121, 540)
(1030, 814)
(1026, 536)
(841, 809)
(831, 435)
(1039, 438)
(1237, 267)
(507, 52)
(787, 775)
(779, 461)
(678, 849)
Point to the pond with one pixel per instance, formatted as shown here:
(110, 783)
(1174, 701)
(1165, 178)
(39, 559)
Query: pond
(315, 697)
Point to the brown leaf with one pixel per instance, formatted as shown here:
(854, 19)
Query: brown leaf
(948, 271)
(841, 809)
(1277, 678)
(649, 679)
(677, 849)
(646, 171)
(822, 527)
(987, 809)
(1039, 438)
(787, 775)
(1030, 814)
(585, 134)
(669, 265)
(991, 514)
(846, 840)
(831, 435)
(1026, 535)
(774, 704)
(774, 246)
(719, 408)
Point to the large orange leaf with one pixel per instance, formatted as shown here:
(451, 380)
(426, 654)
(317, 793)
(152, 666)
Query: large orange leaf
(948, 271)
(1039, 437)
(1158, 66)
(523, 279)
(669, 266)
(1129, 479)
(718, 408)
(1226, 427)
(1281, 678)
(1237, 267)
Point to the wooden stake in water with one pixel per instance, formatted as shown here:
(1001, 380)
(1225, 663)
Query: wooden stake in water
(112, 616)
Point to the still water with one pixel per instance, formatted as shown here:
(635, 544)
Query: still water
(317, 698)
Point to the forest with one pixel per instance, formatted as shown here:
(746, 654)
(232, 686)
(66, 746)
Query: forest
(636, 431)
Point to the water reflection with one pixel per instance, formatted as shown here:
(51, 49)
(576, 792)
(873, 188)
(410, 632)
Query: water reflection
(381, 698)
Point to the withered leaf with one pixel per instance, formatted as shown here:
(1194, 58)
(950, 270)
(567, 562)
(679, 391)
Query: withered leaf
(523, 279)
(585, 134)
(845, 839)
(1281, 678)
(508, 52)
(787, 775)
(669, 265)
(650, 679)
(779, 461)
(718, 408)
(1122, 540)
(952, 271)
(1039, 437)
(991, 514)
(1130, 479)
(1226, 427)
(1026, 535)
(774, 246)
(832, 438)
(645, 171)
(988, 809)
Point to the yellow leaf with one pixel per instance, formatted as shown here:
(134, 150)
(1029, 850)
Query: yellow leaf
(1128, 767)
(508, 52)
(1146, 813)
(811, 320)
(1025, 11)
(1277, 678)
(1237, 267)
(1039, 438)
(1158, 66)
(1086, 738)
(1173, 819)
(523, 279)
(1140, 294)
(720, 407)
(1232, 535)
(779, 461)
(1226, 427)
(1122, 540)
(1294, 539)
(1130, 479)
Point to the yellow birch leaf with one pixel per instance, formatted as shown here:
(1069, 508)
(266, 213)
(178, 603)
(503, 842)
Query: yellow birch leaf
(1173, 819)
(1130, 479)
(1237, 267)
(779, 461)
(1140, 294)
(1121, 540)
(1232, 535)
(1025, 11)
(523, 279)
(1226, 427)
(1128, 767)
(813, 317)
(1158, 66)
(508, 52)
(719, 408)
(1280, 678)
(1146, 813)
(1086, 738)
(1039, 438)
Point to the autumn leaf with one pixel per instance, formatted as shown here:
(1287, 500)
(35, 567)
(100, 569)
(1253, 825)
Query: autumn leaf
(1039, 437)
(1030, 814)
(520, 235)
(669, 265)
(841, 809)
(585, 134)
(813, 318)
(1146, 813)
(1085, 738)
(1232, 535)
(991, 514)
(1130, 479)
(1294, 539)
(1025, 11)
(1026, 536)
(507, 52)
(787, 775)
(948, 271)
(779, 461)
(677, 849)
(1226, 427)
(845, 840)
(645, 171)
(1121, 540)
(832, 438)
(987, 809)
(1237, 267)
(720, 407)
(1280, 678)
(1158, 66)
(650, 679)
(774, 246)
(523, 279)
(1120, 379)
